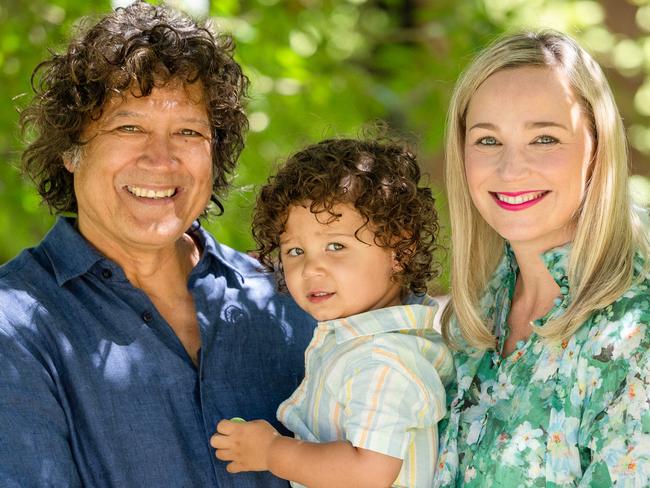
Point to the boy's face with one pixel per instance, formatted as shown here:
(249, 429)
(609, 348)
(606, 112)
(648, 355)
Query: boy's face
(329, 271)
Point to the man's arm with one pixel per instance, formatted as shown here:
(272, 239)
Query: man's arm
(257, 446)
(34, 435)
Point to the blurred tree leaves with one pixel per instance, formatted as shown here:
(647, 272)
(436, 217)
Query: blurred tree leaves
(324, 68)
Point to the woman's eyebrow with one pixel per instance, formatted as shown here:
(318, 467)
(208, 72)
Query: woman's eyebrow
(529, 125)
(542, 124)
(483, 125)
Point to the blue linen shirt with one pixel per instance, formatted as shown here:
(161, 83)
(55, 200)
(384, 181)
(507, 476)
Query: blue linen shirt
(97, 390)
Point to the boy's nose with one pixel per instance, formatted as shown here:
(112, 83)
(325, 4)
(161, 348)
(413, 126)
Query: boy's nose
(312, 267)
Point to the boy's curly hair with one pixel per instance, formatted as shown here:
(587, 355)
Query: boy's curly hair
(133, 49)
(379, 178)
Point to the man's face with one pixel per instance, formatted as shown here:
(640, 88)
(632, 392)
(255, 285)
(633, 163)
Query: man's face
(146, 173)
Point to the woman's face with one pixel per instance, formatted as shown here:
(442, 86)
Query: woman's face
(527, 153)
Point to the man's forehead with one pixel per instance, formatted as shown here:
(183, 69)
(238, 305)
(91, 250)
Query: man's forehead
(171, 96)
(173, 92)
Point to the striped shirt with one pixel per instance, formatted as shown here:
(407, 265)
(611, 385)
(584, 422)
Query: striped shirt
(376, 379)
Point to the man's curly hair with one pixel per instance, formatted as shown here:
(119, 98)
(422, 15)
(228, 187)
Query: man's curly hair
(379, 178)
(134, 49)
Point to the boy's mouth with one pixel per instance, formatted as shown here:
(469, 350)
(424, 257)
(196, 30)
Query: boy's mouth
(319, 296)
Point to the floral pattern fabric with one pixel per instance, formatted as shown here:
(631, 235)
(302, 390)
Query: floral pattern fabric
(550, 414)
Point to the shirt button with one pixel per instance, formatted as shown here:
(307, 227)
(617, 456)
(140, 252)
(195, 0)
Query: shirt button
(106, 273)
(147, 316)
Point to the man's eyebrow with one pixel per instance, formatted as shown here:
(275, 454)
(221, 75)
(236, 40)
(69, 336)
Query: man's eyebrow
(132, 114)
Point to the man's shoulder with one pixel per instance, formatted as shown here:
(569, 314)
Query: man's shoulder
(23, 284)
(24, 269)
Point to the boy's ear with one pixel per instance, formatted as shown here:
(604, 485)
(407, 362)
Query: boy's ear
(397, 267)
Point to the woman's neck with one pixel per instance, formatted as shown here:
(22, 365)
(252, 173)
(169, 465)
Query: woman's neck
(534, 295)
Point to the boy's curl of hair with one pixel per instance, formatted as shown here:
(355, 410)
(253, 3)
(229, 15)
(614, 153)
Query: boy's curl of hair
(379, 178)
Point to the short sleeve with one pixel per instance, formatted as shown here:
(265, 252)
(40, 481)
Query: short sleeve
(385, 401)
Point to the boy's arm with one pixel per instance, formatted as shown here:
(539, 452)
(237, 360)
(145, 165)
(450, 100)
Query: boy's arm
(257, 446)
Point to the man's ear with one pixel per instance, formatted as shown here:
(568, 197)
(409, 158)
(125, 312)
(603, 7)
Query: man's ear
(71, 158)
(67, 162)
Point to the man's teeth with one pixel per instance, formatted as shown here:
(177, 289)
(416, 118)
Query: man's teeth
(527, 197)
(149, 193)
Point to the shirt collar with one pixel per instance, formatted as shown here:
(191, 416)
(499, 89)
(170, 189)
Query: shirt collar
(72, 255)
(418, 313)
(556, 261)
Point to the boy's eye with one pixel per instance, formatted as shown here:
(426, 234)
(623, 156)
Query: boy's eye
(487, 141)
(545, 140)
(334, 246)
(295, 251)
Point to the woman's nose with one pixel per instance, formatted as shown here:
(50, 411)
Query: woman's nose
(513, 164)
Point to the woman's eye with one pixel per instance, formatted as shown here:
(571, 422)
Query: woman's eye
(487, 141)
(545, 140)
(334, 246)
(294, 251)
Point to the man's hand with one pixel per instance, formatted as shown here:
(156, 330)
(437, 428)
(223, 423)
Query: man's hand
(245, 445)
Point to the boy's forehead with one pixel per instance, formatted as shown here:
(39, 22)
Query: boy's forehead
(340, 216)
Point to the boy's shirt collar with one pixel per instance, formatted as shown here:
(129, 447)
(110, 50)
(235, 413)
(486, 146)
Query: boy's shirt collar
(417, 314)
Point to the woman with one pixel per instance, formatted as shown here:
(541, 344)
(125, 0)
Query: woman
(550, 307)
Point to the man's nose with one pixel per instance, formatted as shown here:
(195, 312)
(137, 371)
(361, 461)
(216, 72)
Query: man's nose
(159, 150)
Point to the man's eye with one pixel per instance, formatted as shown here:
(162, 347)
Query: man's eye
(487, 141)
(334, 246)
(546, 140)
(295, 251)
(189, 133)
(129, 129)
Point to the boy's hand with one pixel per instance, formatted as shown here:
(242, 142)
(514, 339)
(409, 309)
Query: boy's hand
(246, 445)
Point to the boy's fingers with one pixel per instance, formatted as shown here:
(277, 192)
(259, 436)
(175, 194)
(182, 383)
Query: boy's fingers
(218, 441)
(225, 426)
(234, 467)
(224, 454)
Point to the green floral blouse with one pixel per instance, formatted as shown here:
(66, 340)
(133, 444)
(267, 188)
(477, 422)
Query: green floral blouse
(570, 414)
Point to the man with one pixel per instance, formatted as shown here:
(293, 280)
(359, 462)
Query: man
(129, 332)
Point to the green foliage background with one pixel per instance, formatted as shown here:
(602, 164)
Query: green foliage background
(322, 68)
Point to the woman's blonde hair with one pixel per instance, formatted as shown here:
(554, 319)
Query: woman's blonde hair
(608, 231)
